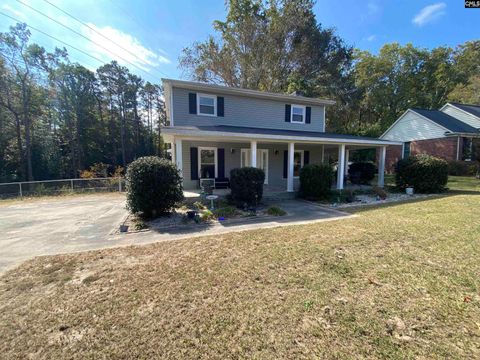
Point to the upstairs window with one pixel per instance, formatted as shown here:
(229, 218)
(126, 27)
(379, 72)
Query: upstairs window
(298, 114)
(207, 105)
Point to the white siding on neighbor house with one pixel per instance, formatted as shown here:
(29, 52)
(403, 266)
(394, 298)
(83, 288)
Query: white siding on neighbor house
(462, 116)
(275, 162)
(414, 127)
(243, 111)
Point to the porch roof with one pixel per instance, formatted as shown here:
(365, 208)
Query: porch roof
(248, 133)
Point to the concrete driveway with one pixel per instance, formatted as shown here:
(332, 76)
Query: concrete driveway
(88, 222)
(56, 225)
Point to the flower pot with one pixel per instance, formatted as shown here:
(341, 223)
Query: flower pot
(191, 214)
(409, 191)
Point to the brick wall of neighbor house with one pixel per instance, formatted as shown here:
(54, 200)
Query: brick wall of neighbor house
(445, 148)
(393, 154)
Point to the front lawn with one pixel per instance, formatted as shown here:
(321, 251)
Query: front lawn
(399, 281)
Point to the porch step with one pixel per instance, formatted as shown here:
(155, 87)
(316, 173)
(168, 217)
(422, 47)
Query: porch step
(278, 196)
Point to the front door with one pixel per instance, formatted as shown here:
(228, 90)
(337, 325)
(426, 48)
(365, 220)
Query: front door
(262, 160)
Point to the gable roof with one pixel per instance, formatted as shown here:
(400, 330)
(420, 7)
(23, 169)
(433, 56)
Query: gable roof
(293, 99)
(469, 108)
(448, 122)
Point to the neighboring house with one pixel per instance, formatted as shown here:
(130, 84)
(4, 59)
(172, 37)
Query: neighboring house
(451, 133)
(214, 129)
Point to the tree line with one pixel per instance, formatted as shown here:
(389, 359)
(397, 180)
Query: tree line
(279, 46)
(58, 118)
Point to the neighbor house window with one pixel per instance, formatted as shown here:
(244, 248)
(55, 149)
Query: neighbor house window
(298, 114)
(297, 162)
(207, 105)
(207, 163)
(406, 150)
(467, 149)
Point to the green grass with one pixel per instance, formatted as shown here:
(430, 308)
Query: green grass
(455, 183)
(397, 282)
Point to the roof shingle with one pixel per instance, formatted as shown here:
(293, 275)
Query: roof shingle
(447, 121)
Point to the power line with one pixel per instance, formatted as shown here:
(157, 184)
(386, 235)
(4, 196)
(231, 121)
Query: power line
(54, 38)
(83, 36)
(99, 33)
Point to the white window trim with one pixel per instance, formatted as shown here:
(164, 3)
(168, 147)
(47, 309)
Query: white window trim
(304, 113)
(302, 160)
(214, 97)
(200, 160)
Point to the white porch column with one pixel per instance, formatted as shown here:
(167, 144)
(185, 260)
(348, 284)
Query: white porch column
(253, 153)
(172, 151)
(347, 155)
(381, 166)
(178, 155)
(291, 151)
(341, 166)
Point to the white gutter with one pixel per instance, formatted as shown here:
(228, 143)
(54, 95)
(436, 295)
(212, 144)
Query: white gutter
(202, 133)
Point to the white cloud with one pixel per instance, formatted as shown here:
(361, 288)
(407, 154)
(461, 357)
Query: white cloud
(429, 13)
(371, 38)
(129, 48)
(15, 12)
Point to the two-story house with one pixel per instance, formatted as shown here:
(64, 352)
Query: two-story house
(214, 129)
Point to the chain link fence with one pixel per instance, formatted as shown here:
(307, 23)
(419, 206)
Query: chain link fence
(60, 187)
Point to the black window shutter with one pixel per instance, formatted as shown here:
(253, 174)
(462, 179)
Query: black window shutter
(192, 103)
(220, 106)
(306, 157)
(288, 110)
(308, 115)
(285, 164)
(194, 163)
(221, 163)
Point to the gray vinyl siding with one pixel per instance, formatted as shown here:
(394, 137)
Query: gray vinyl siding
(414, 127)
(243, 111)
(275, 162)
(462, 116)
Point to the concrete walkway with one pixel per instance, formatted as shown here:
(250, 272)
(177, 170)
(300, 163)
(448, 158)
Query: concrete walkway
(78, 223)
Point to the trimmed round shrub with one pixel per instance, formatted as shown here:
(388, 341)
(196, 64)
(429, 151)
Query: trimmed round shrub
(463, 168)
(246, 185)
(316, 181)
(361, 172)
(425, 173)
(154, 186)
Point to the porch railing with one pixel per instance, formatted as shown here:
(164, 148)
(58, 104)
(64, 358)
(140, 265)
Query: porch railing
(59, 187)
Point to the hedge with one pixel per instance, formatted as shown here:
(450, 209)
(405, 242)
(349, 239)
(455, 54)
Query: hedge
(316, 181)
(425, 173)
(246, 186)
(361, 172)
(154, 186)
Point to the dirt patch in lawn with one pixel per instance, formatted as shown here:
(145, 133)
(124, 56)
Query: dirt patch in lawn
(398, 282)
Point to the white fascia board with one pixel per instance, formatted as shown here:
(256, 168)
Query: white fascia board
(272, 138)
(465, 112)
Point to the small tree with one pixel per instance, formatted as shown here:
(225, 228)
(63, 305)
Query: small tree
(154, 186)
(425, 173)
(316, 181)
(246, 185)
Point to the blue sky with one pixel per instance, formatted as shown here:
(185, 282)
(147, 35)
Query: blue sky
(152, 33)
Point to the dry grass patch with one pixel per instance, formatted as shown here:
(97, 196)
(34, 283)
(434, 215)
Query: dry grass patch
(398, 282)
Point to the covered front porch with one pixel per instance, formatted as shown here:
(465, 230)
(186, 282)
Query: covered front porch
(205, 154)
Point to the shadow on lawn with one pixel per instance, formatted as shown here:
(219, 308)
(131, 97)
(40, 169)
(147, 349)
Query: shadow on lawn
(449, 193)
